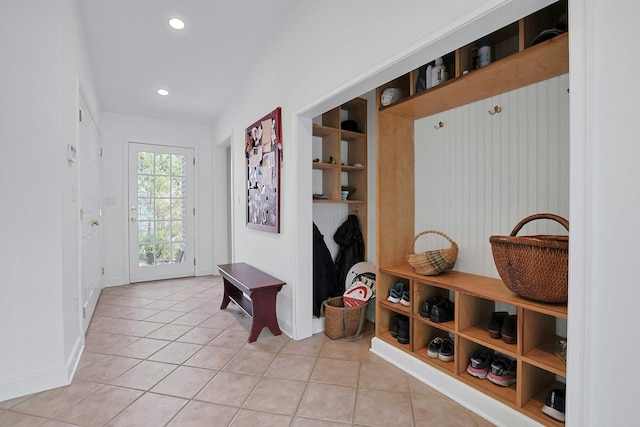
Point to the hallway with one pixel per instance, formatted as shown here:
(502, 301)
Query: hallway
(163, 353)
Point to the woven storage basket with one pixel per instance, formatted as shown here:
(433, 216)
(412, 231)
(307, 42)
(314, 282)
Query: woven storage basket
(341, 321)
(434, 262)
(534, 267)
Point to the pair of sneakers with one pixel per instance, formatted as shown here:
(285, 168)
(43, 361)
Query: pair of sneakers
(441, 348)
(498, 368)
(399, 294)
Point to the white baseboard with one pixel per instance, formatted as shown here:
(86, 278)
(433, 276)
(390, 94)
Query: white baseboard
(472, 399)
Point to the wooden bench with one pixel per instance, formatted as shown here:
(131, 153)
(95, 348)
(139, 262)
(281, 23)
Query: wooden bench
(255, 292)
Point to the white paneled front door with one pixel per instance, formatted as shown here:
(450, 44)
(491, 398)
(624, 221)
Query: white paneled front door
(161, 212)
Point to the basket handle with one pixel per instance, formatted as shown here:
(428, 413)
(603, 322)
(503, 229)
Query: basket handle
(434, 232)
(530, 218)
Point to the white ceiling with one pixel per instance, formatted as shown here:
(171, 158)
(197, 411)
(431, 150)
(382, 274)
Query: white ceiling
(134, 52)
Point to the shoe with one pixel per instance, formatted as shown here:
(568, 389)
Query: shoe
(395, 326)
(436, 344)
(425, 308)
(503, 371)
(480, 364)
(554, 404)
(560, 349)
(403, 330)
(446, 352)
(405, 299)
(495, 324)
(395, 294)
(442, 311)
(509, 329)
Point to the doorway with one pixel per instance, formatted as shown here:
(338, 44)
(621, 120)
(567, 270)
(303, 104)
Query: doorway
(161, 212)
(90, 252)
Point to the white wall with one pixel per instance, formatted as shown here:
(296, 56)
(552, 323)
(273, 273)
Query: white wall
(603, 265)
(117, 131)
(43, 60)
(320, 69)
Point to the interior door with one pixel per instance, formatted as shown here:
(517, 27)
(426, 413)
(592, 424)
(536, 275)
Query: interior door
(90, 252)
(161, 212)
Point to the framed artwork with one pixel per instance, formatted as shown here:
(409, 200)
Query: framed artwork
(263, 151)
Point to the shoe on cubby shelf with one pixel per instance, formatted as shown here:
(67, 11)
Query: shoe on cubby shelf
(442, 311)
(495, 324)
(503, 371)
(480, 364)
(425, 307)
(509, 329)
(554, 404)
(403, 330)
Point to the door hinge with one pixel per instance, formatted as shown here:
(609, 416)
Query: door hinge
(84, 312)
(194, 261)
(194, 161)
(194, 211)
(80, 115)
(100, 152)
(102, 269)
(81, 213)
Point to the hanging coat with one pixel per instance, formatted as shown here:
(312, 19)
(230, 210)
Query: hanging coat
(349, 237)
(324, 276)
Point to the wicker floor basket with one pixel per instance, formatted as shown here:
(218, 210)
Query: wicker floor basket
(534, 267)
(434, 262)
(341, 321)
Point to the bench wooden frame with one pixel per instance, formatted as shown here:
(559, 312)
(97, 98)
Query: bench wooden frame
(255, 292)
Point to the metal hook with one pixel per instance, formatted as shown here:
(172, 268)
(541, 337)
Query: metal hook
(439, 125)
(496, 109)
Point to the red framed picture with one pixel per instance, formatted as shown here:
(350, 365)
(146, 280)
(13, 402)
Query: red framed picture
(263, 152)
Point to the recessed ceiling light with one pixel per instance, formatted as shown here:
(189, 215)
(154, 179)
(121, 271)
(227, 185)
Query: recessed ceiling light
(176, 23)
(162, 92)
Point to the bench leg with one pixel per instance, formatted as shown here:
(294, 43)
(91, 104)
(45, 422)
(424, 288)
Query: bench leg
(264, 312)
(225, 299)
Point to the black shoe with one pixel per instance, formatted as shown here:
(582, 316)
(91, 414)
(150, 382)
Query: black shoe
(495, 324)
(509, 329)
(434, 347)
(403, 330)
(442, 311)
(446, 352)
(554, 404)
(425, 308)
(396, 325)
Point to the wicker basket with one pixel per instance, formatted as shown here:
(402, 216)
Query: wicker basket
(434, 262)
(534, 267)
(341, 321)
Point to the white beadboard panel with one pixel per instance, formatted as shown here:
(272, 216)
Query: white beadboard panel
(480, 174)
(328, 217)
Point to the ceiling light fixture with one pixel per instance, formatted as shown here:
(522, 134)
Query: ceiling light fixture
(162, 92)
(176, 23)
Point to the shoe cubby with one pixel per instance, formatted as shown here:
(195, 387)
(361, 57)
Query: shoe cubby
(536, 384)
(423, 333)
(465, 350)
(475, 298)
(538, 341)
(475, 315)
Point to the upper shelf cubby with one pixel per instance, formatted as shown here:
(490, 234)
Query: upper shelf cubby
(515, 62)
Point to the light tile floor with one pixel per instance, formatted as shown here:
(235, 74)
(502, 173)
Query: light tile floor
(164, 354)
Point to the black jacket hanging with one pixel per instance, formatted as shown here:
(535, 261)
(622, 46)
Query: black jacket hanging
(324, 276)
(349, 237)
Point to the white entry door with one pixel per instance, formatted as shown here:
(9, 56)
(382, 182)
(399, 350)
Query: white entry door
(90, 251)
(161, 212)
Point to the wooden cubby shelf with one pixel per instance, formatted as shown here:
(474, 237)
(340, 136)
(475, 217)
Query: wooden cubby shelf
(341, 156)
(475, 297)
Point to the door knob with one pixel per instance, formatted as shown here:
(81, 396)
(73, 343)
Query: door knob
(133, 220)
(94, 222)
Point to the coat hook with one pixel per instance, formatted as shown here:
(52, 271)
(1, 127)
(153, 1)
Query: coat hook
(439, 125)
(496, 109)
